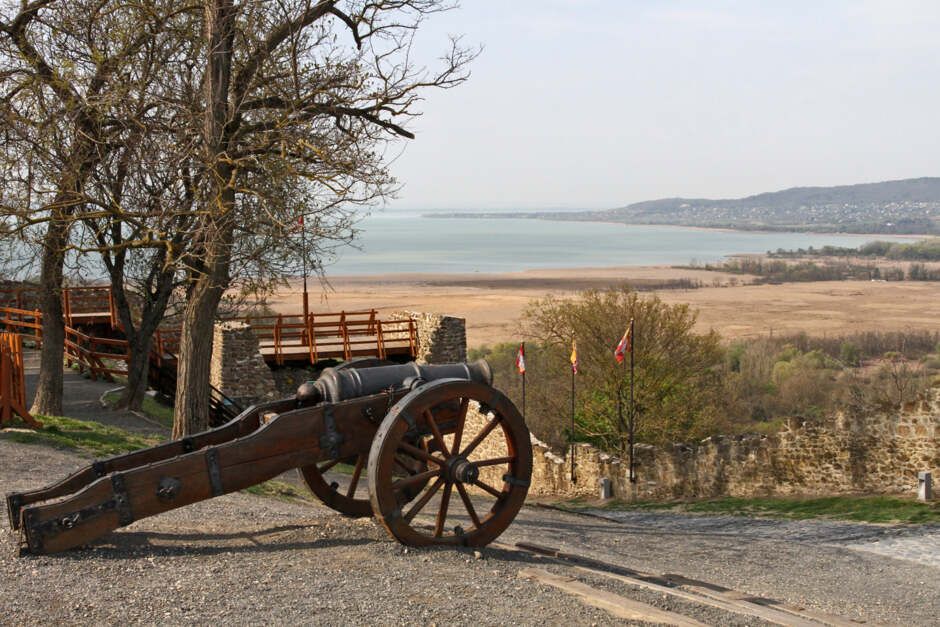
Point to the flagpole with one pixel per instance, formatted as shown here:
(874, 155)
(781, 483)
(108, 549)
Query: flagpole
(620, 421)
(303, 245)
(571, 433)
(632, 403)
(523, 395)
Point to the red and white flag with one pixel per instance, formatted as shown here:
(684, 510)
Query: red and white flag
(520, 359)
(626, 344)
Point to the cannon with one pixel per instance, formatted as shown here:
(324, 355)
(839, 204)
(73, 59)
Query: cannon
(422, 437)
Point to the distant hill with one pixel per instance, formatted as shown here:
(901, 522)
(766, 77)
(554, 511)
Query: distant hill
(906, 206)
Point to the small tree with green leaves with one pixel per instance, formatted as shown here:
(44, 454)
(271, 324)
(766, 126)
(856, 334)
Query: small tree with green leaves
(678, 371)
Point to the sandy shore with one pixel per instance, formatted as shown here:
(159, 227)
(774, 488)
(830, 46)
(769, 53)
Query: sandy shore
(493, 303)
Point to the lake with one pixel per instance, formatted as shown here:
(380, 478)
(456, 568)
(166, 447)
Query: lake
(404, 241)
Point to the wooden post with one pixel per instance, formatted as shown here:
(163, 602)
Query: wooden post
(13, 381)
(379, 341)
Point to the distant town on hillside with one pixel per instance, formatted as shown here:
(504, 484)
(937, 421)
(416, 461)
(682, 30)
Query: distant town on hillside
(909, 206)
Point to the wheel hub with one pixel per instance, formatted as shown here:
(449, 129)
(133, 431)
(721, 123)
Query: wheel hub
(459, 469)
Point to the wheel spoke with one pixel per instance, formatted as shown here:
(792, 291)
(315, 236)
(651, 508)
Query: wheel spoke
(403, 465)
(436, 432)
(442, 513)
(461, 420)
(407, 482)
(414, 451)
(468, 505)
(481, 436)
(360, 462)
(487, 488)
(494, 461)
(328, 465)
(417, 507)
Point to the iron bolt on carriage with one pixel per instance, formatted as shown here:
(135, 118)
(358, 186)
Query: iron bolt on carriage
(446, 458)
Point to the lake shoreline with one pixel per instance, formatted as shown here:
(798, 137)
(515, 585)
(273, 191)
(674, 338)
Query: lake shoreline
(716, 229)
(493, 303)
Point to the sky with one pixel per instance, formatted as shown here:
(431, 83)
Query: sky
(600, 103)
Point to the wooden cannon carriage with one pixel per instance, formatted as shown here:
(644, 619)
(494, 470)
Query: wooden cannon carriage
(422, 437)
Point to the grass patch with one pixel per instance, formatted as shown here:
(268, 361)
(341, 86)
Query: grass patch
(83, 435)
(279, 490)
(150, 407)
(871, 509)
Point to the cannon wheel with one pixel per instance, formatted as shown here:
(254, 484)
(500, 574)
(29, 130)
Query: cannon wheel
(345, 499)
(484, 462)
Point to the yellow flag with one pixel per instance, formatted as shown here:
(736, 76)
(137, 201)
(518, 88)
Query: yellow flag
(574, 357)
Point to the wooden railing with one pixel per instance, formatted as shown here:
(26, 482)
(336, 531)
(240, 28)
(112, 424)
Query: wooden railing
(342, 335)
(83, 302)
(19, 297)
(101, 357)
(26, 323)
(282, 338)
(13, 381)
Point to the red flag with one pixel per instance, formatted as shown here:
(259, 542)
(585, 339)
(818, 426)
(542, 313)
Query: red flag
(520, 359)
(625, 345)
(300, 221)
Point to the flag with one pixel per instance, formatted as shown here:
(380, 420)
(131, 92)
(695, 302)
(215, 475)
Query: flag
(520, 359)
(625, 346)
(574, 357)
(300, 221)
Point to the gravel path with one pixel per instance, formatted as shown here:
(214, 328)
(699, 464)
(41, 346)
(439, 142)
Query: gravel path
(821, 565)
(81, 398)
(916, 543)
(245, 559)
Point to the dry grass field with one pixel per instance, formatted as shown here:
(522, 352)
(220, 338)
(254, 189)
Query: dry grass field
(493, 303)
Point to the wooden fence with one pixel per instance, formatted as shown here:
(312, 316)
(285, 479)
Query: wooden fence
(282, 339)
(13, 381)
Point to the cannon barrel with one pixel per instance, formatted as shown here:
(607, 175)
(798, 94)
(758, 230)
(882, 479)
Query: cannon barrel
(339, 384)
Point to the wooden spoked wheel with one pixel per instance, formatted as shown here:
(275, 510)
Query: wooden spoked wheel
(328, 479)
(352, 498)
(479, 463)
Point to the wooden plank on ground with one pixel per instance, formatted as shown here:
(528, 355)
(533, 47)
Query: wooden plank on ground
(615, 604)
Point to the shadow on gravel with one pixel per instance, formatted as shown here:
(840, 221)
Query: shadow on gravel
(137, 544)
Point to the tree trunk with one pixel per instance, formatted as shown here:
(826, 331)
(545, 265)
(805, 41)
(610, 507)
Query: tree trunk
(191, 410)
(139, 337)
(138, 365)
(48, 399)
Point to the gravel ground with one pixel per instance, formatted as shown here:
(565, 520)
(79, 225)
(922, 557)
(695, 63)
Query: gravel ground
(246, 559)
(829, 570)
(81, 398)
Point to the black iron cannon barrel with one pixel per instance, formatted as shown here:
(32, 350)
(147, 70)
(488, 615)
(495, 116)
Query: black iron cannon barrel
(339, 384)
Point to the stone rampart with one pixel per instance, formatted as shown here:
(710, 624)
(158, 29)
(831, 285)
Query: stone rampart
(237, 368)
(873, 454)
(441, 339)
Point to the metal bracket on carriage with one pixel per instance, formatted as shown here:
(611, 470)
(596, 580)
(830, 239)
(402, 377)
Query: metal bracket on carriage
(330, 441)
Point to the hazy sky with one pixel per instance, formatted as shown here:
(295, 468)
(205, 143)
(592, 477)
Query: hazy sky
(598, 103)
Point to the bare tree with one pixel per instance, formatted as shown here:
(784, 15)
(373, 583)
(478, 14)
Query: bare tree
(68, 63)
(287, 99)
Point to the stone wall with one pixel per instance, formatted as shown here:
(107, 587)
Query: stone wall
(874, 454)
(441, 339)
(237, 367)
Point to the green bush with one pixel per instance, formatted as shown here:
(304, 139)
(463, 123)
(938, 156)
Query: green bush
(678, 372)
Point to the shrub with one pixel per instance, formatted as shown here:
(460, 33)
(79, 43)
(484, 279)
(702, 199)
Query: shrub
(678, 372)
